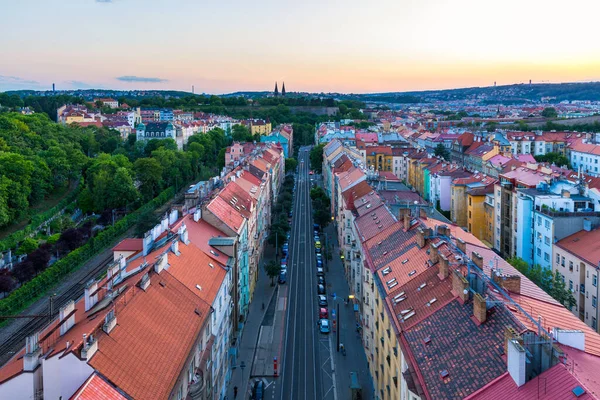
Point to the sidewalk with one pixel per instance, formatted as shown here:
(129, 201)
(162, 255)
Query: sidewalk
(355, 359)
(253, 348)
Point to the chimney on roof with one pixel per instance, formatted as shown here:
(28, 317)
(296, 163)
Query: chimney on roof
(571, 338)
(161, 263)
(406, 221)
(421, 239)
(90, 347)
(479, 308)
(511, 283)
(462, 246)
(67, 317)
(198, 214)
(460, 286)
(145, 282)
(443, 230)
(90, 295)
(477, 259)
(423, 213)
(517, 361)
(110, 321)
(32, 353)
(444, 267)
(434, 252)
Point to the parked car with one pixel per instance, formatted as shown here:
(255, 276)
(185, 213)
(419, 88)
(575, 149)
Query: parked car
(282, 277)
(320, 271)
(319, 257)
(316, 227)
(321, 289)
(324, 325)
(321, 280)
(311, 172)
(284, 267)
(323, 313)
(284, 261)
(258, 390)
(319, 263)
(317, 238)
(323, 301)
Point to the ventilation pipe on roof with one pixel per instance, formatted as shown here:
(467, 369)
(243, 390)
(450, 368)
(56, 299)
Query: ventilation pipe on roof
(90, 347)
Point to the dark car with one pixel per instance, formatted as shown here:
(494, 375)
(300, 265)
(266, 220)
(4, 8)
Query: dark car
(258, 390)
(321, 280)
(323, 301)
(282, 277)
(319, 263)
(316, 227)
(321, 289)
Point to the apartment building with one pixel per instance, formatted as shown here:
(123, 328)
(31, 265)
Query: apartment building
(577, 259)
(423, 282)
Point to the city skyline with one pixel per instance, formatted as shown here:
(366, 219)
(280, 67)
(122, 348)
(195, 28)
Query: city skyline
(318, 47)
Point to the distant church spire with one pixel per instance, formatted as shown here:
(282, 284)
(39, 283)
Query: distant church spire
(283, 89)
(276, 92)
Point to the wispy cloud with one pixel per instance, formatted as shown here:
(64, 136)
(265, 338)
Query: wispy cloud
(104, 1)
(15, 80)
(133, 78)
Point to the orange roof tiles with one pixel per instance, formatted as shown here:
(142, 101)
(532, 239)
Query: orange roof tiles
(192, 267)
(374, 222)
(350, 177)
(199, 234)
(583, 245)
(145, 353)
(96, 388)
(226, 213)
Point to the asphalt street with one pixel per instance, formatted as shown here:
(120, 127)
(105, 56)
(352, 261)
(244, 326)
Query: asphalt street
(311, 367)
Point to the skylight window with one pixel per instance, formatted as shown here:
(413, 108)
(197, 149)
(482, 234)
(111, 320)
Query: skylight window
(386, 271)
(411, 273)
(422, 286)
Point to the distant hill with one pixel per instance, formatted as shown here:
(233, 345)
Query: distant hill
(89, 94)
(515, 94)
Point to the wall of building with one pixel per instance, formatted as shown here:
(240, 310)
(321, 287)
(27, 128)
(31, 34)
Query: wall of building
(21, 386)
(63, 376)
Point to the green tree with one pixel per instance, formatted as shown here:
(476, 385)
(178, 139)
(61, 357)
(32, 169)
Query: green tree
(122, 191)
(442, 151)
(149, 174)
(27, 246)
(221, 158)
(273, 270)
(290, 165)
(240, 133)
(549, 112)
(554, 158)
(316, 158)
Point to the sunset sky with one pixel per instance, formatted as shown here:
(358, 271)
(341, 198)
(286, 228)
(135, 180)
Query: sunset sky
(313, 45)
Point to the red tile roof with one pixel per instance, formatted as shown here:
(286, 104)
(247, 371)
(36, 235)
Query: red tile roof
(376, 221)
(199, 233)
(156, 331)
(583, 245)
(193, 267)
(96, 388)
(130, 244)
(556, 383)
(227, 214)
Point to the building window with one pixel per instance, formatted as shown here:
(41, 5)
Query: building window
(470, 200)
(571, 266)
(547, 240)
(539, 220)
(595, 280)
(539, 252)
(594, 301)
(571, 286)
(558, 258)
(547, 224)
(594, 323)
(546, 257)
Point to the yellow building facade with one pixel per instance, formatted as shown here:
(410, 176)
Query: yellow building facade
(476, 218)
